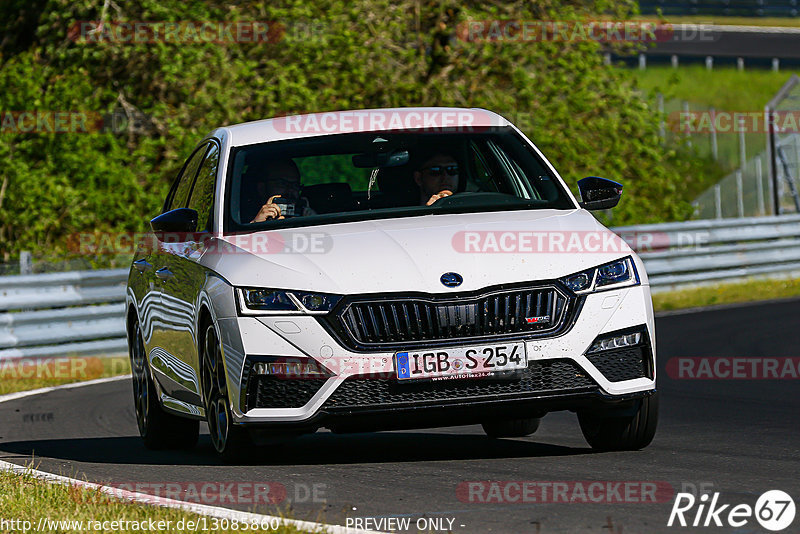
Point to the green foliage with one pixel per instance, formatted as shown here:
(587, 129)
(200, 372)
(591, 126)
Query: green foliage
(332, 54)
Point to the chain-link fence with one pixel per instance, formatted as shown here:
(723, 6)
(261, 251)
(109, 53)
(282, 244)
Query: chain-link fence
(767, 182)
(783, 144)
(746, 192)
(730, 145)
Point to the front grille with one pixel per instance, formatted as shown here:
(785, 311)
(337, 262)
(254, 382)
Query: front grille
(623, 364)
(540, 377)
(401, 322)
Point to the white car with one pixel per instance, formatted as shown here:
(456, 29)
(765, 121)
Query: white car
(385, 269)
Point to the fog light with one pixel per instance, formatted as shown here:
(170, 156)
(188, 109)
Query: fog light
(616, 342)
(291, 368)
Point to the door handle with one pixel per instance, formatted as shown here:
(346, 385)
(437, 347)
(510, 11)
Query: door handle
(164, 274)
(142, 265)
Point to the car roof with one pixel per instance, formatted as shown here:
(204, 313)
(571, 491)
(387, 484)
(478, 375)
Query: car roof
(361, 120)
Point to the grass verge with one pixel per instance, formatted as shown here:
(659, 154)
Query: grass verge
(34, 373)
(24, 498)
(749, 291)
(724, 88)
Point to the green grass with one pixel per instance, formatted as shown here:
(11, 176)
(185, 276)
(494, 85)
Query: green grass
(25, 498)
(749, 291)
(34, 374)
(724, 88)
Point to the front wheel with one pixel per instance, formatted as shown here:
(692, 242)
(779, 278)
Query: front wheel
(230, 441)
(612, 432)
(159, 429)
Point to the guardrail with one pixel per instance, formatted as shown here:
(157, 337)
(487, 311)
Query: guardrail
(696, 252)
(82, 312)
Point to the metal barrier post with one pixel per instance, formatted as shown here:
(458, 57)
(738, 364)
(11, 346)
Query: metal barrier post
(714, 151)
(760, 187)
(739, 194)
(773, 161)
(25, 262)
(742, 147)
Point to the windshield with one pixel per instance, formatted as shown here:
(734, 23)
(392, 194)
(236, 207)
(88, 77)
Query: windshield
(376, 175)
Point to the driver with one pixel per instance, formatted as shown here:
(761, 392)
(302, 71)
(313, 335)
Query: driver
(281, 180)
(437, 177)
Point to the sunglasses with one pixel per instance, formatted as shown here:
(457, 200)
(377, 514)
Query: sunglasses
(437, 170)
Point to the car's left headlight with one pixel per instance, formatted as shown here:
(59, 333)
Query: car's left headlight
(613, 275)
(263, 301)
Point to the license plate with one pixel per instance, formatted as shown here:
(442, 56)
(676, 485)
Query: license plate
(460, 362)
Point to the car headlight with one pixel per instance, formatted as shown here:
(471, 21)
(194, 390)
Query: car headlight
(613, 275)
(261, 301)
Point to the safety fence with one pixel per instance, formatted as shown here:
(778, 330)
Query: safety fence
(78, 312)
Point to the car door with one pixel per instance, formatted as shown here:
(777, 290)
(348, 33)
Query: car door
(180, 292)
(172, 318)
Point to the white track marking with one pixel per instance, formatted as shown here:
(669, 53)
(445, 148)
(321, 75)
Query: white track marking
(152, 500)
(31, 392)
(202, 509)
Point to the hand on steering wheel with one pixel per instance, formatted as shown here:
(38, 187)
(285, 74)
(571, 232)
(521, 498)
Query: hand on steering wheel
(437, 196)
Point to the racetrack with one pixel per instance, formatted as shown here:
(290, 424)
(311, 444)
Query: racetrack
(737, 437)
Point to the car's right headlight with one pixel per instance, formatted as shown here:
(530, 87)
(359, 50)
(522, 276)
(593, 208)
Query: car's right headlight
(612, 275)
(262, 301)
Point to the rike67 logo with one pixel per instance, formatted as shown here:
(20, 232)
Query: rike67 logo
(774, 510)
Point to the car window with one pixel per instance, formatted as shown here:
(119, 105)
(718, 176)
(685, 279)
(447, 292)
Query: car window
(378, 175)
(183, 183)
(332, 169)
(202, 197)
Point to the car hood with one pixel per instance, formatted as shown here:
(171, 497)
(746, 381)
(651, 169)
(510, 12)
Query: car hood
(412, 253)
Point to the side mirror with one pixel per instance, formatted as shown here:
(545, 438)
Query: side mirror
(599, 193)
(178, 221)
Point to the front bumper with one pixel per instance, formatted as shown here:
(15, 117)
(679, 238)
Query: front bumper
(559, 361)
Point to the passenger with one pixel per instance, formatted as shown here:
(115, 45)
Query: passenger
(280, 179)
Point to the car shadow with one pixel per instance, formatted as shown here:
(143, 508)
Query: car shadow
(315, 449)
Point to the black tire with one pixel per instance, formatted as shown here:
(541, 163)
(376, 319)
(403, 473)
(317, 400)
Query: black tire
(231, 442)
(608, 432)
(159, 429)
(513, 428)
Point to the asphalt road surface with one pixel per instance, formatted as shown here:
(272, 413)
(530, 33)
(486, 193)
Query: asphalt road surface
(737, 437)
(731, 41)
